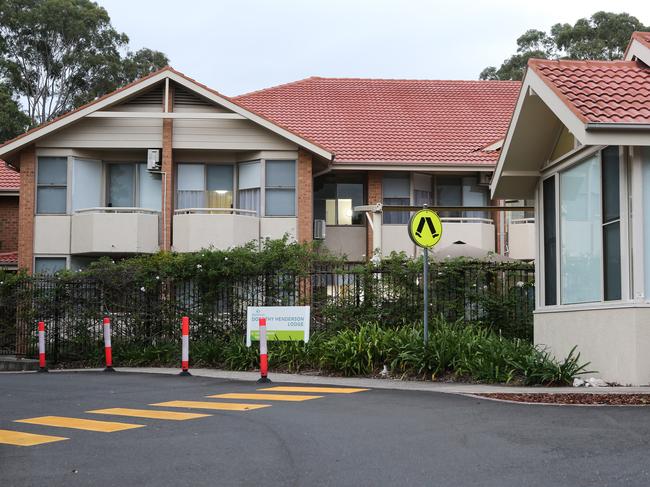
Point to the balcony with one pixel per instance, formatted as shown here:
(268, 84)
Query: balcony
(220, 228)
(114, 231)
(477, 232)
(521, 239)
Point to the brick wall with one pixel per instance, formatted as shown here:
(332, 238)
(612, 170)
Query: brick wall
(168, 169)
(374, 197)
(8, 223)
(305, 188)
(26, 208)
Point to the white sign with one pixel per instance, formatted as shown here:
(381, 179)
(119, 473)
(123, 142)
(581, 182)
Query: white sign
(283, 323)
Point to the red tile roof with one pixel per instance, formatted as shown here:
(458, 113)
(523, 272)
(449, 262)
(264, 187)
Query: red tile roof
(8, 258)
(642, 37)
(600, 91)
(388, 121)
(9, 179)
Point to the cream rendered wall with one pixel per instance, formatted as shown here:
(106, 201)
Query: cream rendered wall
(476, 234)
(615, 340)
(521, 241)
(193, 232)
(114, 233)
(277, 227)
(395, 238)
(225, 134)
(122, 133)
(347, 240)
(52, 234)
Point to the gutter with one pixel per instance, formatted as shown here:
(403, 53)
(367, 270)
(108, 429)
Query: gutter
(599, 126)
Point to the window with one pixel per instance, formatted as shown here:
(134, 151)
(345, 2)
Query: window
(150, 188)
(131, 185)
(204, 186)
(249, 186)
(336, 195)
(396, 191)
(49, 265)
(87, 177)
(280, 196)
(550, 242)
(611, 223)
(581, 249)
(52, 185)
(461, 191)
(121, 185)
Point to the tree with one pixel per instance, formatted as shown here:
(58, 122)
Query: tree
(12, 120)
(59, 54)
(604, 35)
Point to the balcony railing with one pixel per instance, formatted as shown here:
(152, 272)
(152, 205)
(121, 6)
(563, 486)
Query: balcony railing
(463, 219)
(215, 211)
(116, 209)
(522, 221)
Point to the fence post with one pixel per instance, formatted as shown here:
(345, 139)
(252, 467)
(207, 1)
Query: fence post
(108, 350)
(185, 346)
(264, 358)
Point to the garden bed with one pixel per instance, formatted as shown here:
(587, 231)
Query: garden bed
(567, 398)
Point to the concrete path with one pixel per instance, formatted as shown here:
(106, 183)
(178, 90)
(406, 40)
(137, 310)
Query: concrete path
(393, 384)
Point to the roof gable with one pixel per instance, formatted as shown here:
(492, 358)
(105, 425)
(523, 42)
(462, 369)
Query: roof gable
(389, 121)
(144, 85)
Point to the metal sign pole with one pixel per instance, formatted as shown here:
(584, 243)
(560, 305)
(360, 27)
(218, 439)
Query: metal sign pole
(426, 295)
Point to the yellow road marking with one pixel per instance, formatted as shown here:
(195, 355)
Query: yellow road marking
(323, 390)
(80, 424)
(17, 438)
(224, 406)
(148, 413)
(265, 397)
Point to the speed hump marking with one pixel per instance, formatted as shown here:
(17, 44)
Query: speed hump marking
(425, 228)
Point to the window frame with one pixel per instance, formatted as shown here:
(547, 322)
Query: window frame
(572, 159)
(362, 181)
(235, 190)
(266, 187)
(57, 186)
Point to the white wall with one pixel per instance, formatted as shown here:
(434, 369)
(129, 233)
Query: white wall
(347, 240)
(193, 232)
(277, 227)
(52, 234)
(615, 340)
(114, 233)
(521, 241)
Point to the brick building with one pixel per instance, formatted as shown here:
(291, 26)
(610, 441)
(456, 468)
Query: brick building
(9, 189)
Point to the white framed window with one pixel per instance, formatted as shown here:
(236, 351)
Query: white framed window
(49, 265)
(336, 195)
(396, 189)
(581, 231)
(249, 185)
(131, 185)
(280, 188)
(205, 186)
(52, 186)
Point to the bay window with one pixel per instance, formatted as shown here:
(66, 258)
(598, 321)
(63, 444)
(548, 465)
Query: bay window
(589, 224)
(249, 186)
(131, 185)
(204, 186)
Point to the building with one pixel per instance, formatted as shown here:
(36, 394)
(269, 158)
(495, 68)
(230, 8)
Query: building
(168, 163)
(9, 186)
(579, 144)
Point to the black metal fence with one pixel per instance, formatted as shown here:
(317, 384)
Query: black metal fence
(145, 313)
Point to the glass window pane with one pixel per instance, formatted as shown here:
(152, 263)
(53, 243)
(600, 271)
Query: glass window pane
(51, 200)
(280, 174)
(449, 192)
(249, 199)
(220, 178)
(550, 243)
(48, 265)
(280, 202)
(191, 177)
(331, 188)
(86, 184)
(120, 185)
(330, 212)
(352, 192)
(249, 175)
(345, 211)
(396, 217)
(52, 170)
(580, 233)
(150, 189)
(474, 195)
(612, 251)
(611, 184)
(396, 186)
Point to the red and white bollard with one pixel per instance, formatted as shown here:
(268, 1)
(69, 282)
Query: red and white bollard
(264, 357)
(185, 352)
(107, 345)
(42, 367)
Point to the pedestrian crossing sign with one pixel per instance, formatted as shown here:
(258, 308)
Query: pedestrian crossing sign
(425, 228)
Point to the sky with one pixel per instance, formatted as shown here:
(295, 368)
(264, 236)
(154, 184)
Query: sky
(240, 46)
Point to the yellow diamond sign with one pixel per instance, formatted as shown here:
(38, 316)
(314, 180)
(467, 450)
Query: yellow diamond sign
(425, 228)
